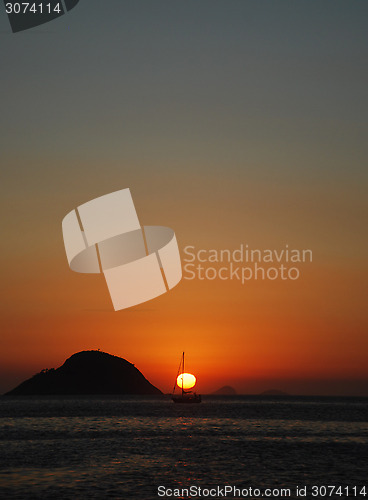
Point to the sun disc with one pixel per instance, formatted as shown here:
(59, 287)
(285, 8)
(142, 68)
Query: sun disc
(186, 380)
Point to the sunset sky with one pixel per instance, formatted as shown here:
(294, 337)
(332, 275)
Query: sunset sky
(232, 122)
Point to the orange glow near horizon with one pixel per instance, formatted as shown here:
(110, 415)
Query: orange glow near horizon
(186, 380)
(287, 335)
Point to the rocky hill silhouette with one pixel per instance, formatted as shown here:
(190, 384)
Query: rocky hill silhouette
(88, 372)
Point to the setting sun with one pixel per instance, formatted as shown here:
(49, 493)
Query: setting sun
(186, 380)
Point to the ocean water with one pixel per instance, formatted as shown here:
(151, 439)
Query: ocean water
(126, 447)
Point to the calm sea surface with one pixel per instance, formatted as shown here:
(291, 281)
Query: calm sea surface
(125, 447)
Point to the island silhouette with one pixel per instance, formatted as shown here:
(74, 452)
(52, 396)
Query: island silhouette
(88, 372)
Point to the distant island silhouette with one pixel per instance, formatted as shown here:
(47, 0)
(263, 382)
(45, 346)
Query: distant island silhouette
(226, 390)
(88, 372)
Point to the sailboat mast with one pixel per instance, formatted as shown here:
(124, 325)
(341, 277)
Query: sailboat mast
(182, 377)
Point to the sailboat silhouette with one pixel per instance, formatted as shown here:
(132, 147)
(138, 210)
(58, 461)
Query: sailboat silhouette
(186, 396)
